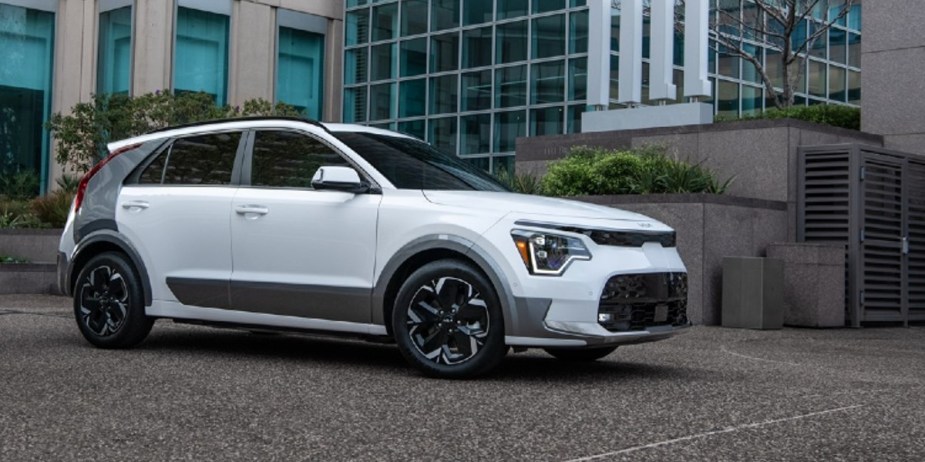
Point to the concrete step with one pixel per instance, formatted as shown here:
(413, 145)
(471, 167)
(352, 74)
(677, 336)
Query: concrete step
(28, 278)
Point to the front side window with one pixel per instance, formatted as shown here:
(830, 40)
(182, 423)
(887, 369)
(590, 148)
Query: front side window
(201, 57)
(412, 164)
(284, 159)
(195, 160)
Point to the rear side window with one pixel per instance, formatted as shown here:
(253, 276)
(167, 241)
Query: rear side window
(284, 159)
(195, 160)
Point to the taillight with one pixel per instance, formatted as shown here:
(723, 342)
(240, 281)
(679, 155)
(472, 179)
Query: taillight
(82, 186)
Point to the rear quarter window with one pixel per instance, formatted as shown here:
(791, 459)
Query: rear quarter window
(195, 160)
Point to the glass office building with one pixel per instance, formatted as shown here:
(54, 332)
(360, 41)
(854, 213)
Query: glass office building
(471, 76)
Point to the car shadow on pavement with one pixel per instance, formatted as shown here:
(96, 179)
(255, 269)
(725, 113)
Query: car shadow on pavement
(517, 368)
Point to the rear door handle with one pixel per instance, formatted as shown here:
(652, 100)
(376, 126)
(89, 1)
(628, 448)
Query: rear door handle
(255, 209)
(141, 205)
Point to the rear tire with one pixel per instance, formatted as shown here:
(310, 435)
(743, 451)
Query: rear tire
(580, 355)
(109, 303)
(447, 321)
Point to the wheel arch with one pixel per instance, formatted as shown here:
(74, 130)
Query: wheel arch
(106, 241)
(425, 250)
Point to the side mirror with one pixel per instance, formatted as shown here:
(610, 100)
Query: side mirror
(339, 179)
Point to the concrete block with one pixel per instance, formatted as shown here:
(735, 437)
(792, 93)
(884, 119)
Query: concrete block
(752, 293)
(671, 115)
(34, 245)
(28, 278)
(814, 283)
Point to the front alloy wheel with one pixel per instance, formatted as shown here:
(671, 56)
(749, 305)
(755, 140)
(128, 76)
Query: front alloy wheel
(447, 320)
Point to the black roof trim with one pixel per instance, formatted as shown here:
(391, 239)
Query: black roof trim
(241, 119)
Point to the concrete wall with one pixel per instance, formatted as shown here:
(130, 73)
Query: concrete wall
(709, 227)
(761, 154)
(893, 58)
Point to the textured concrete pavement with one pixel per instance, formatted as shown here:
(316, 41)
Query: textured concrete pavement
(207, 394)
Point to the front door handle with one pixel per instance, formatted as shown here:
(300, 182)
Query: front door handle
(254, 209)
(135, 205)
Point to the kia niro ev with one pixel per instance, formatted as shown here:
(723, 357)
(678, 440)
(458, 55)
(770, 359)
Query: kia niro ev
(287, 224)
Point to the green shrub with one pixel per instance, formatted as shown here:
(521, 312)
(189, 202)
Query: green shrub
(648, 170)
(524, 183)
(9, 259)
(18, 184)
(828, 114)
(68, 183)
(53, 208)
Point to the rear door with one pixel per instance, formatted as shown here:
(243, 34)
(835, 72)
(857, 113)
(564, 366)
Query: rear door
(176, 210)
(299, 251)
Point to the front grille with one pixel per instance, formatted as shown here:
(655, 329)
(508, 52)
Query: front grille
(637, 301)
(632, 238)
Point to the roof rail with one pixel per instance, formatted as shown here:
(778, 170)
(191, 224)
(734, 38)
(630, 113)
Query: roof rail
(239, 119)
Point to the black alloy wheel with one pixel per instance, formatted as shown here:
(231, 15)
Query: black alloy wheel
(108, 303)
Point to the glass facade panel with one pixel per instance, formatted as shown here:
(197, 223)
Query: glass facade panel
(728, 64)
(201, 60)
(444, 52)
(511, 41)
(27, 53)
(414, 128)
(300, 71)
(382, 62)
(114, 54)
(542, 6)
(477, 47)
(820, 45)
(477, 11)
(355, 65)
(574, 117)
(838, 45)
(549, 36)
(442, 134)
(511, 86)
(413, 17)
(381, 101)
(548, 82)
(578, 79)
(413, 57)
(355, 105)
(854, 87)
(837, 84)
(509, 126)
(854, 50)
(749, 71)
(412, 97)
(475, 133)
(385, 22)
(817, 79)
(578, 32)
(728, 99)
(444, 14)
(443, 94)
(512, 8)
(546, 121)
(476, 91)
(357, 27)
(751, 100)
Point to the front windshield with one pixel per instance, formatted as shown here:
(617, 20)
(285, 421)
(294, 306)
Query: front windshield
(412, 164)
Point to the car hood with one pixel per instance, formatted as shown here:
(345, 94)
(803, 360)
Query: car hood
(532, 205)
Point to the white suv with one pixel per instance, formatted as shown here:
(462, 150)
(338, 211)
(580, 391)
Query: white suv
(288, 224)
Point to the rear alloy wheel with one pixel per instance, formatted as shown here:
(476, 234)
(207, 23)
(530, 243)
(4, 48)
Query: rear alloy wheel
(447, 321)
(580, 355)
(108, 303)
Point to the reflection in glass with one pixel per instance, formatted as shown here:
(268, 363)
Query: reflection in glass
(511, 86)
(442, 134)
(381, 99)
(511, 41)
(444, 52)
(476, 91)
(385, 22)
(382, 62)
(548, 82)
(475, 134)
(443, 94)
(413, 17)
(444, 14)
(546, 121)
(509, 126)
(477, 47)
(413, 57)
(412, 95)
(549, 36)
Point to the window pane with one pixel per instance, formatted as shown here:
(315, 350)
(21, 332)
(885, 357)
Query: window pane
(728, 63)
(818, 49)
(511, 42)
(549, 36)
(300, 71)
(289, 160)
(751, 100)
(574, 118)
(837, 84)
(512, 8)
(414, 128)
(817, 79)
(443, 94)
(578, 79)
(385, 22)
(382, 62)
(201, 61)
(854, 87)
(578, 33)
(546, 121)
(442, 134)
(413, 57)
(854, 50)
(477, 47)
(548, 81)
(508, 126)
(26, 62)
(444, 52)
(413, 17)
(411, 97)
(115, 51)
(475, 134)
(728, 99)
(355, 64)
(381, 99)
(541, 6)
(202, 160)
(444, 14)
(476, 91)
(477, 11)
(357, 27)
(355, 105)
(838, 45)
(511, 86)
(749, 71)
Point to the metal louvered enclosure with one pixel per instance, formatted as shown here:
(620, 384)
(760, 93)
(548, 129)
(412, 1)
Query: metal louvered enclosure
(872, 200)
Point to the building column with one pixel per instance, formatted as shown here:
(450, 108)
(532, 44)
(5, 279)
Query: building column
(334, 71)
(152, 46)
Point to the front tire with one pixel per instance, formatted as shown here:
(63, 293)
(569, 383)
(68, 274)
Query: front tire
(580, 355)
(109, 303)
(447, 321)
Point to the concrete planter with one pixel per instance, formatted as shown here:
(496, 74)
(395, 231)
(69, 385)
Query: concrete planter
(28, 278)
(709, 227)
(40, 248)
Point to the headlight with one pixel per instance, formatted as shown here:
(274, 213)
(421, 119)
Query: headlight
(548, 254)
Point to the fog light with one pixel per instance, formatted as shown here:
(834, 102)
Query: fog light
(604, 317)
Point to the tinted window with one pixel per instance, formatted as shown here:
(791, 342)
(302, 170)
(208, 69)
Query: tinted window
(195, 160)
(414, 164)
(285, 159)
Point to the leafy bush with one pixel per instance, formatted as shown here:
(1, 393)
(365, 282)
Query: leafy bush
(82, 134)
(828, 114)
(597, 171)
(17, 213)
(53, 208)
(524, 183)
(18, 184)
(68, 183)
